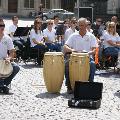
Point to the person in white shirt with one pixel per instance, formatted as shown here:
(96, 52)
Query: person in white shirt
(51, 38)
(80, 42)
(6, 45)
(111, 37)
(17, 41)
(71, 30)
(14, 26)
(89, 26)
(111, 42)
(36, 35)
(56, 21)
(37, 40)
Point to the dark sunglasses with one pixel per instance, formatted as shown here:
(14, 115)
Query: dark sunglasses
(39, 22)
(74, 22)
(99, 21)
(50, 23)
(2, 25)
(88, 24)
(111, 26)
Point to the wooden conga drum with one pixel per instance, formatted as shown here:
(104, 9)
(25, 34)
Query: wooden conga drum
(53, 71)
(79, 68)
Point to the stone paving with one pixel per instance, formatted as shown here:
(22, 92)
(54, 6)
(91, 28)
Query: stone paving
(29, 100)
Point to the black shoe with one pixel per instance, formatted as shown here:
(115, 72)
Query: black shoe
(5, 90)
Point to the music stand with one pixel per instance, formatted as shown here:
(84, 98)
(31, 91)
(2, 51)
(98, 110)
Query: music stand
(21, 31)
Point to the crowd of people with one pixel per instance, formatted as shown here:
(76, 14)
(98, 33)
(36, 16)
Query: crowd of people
(70, 36)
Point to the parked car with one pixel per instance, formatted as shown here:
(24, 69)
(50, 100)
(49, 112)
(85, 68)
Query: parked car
(60, 12)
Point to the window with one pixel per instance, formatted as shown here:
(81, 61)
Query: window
(46, 3)
(0, 3)
(29, 3)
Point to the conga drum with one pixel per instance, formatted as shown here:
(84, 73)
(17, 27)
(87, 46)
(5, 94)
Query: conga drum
(79, 68)
(53, 71)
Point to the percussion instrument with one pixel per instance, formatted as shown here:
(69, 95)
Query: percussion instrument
(53, 71)
(79, 68)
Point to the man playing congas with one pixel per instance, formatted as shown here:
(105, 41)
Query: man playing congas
(83, 41)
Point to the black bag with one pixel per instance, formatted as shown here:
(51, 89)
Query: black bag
(86, 95)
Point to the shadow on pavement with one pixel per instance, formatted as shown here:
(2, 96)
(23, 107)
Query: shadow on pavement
(30, 66)
(107, 73)
(117, 93)
(66, 95)
(6, 94)
(54, 95)
(47, 95)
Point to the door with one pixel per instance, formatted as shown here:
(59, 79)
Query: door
(12, 6)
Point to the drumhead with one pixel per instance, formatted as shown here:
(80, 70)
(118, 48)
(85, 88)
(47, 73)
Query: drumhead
(53, 53)
(79, 54)
(5, 69)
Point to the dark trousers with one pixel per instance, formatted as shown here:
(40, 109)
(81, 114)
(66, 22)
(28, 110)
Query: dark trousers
(19, 43)
(41, 49)
(54, 47)
(111, 51)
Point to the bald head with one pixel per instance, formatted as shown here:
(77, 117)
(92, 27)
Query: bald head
(82, 22)
(114, 19)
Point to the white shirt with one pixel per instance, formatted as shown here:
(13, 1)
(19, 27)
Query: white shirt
(38, 37)
(50, 34)
(5, 45)
(54, 26)
(79, 43)
(107, 37)
(91, 31)
(69, 32)
(12, 29)
(103, 35)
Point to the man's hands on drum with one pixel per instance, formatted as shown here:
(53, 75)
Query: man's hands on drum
(73, 50)
(7, 60)
(83, 51)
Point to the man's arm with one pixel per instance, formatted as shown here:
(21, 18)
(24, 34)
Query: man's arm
(10, 56)
(92, 52)
(67, 49)
(38, 43)
(118, 44)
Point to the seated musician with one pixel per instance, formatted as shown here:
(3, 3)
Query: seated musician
(115, 20)
(36, 37)
(50, 37)
(83, 41)
(72, 29)
(6, 45)
(18, 41)
(111, 42)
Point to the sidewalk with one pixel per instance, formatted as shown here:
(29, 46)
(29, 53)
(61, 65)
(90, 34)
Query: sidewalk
(29, 99)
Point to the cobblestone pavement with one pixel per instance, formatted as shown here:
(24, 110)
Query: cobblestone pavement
(29, 99)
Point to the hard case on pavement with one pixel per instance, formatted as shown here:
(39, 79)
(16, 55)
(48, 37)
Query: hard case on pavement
(87, 95)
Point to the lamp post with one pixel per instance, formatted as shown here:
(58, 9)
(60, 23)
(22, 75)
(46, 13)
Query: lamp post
(113, 6)
(78, 7)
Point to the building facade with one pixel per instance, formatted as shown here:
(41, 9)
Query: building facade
(101, 8)
(24, 7)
